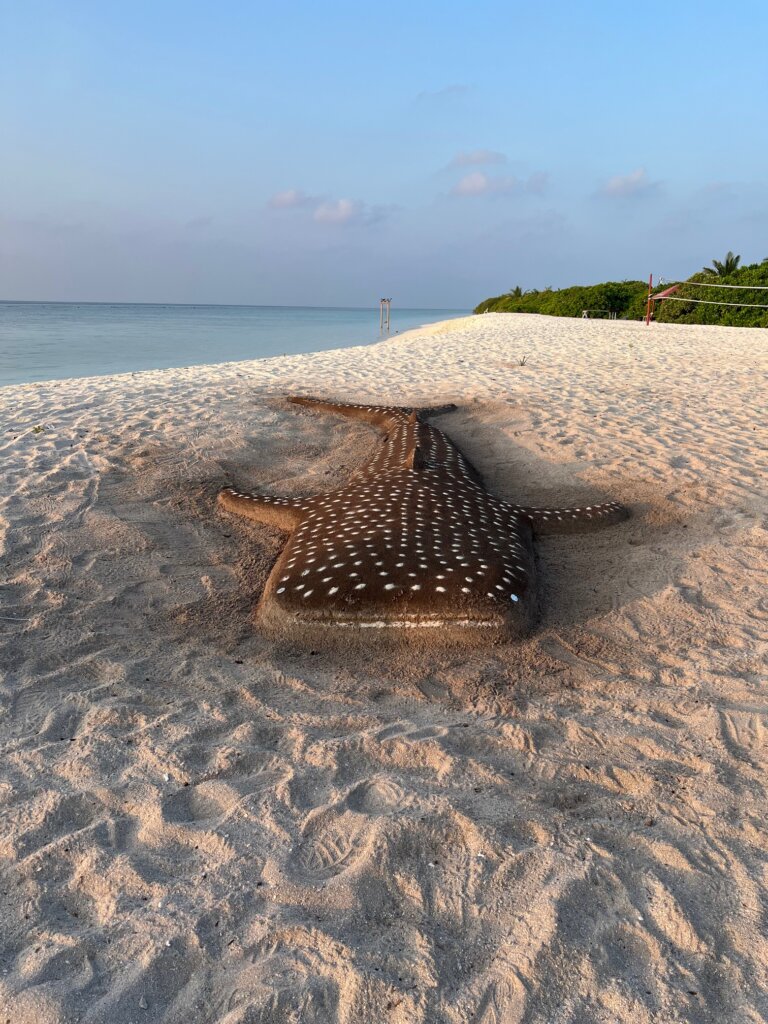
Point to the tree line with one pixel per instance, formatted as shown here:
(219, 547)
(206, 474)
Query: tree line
(626, 300)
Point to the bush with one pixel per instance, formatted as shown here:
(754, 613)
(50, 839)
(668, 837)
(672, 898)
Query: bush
(624, 298)
(627, 299)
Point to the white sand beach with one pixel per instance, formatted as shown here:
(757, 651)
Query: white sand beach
(200, 823)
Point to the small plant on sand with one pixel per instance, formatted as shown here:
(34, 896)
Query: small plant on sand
(38, 429)
(523, 361)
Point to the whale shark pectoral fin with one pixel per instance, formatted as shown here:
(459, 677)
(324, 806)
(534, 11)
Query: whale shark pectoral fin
(382, 416)
(572, 520)
(285, 513)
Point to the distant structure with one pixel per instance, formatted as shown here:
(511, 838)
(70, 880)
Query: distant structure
(384, 311)
(586, 313)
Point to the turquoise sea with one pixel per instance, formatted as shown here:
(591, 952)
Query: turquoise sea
(52, 340)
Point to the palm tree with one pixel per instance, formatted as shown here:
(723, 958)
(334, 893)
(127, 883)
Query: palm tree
(516, 292)
(729, 264)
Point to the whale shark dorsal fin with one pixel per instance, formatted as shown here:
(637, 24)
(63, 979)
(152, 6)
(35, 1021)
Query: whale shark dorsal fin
(416, 458)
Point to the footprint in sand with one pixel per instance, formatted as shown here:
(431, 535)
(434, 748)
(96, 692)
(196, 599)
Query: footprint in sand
(402, 745)
(744, 734)
(53, 816)
(62, 723)
(433, 690)
(377, 796)
(503, 1002)
(210, 801)
(331, 844)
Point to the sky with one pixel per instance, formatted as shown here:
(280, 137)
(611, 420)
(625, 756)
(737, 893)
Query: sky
(331, 153)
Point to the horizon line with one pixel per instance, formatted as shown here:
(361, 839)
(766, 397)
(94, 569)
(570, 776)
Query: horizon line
(237, 305)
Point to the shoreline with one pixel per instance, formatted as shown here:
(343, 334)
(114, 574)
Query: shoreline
(241, 366)
(231, 332)
(200, 821)
(226, 365)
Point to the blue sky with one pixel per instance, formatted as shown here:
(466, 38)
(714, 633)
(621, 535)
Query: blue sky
(326, 154)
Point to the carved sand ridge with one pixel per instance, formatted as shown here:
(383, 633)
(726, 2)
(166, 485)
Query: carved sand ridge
(414, 539)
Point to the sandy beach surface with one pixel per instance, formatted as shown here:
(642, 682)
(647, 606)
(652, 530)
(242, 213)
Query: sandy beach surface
(200, 823)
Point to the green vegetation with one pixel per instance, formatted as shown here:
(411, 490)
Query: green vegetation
(626, 299)
(674, 311)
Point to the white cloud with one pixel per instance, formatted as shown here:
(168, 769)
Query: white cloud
(477, 157)
(338, 211)
(471, 185)
(351, 211)
(479, 184)
(291, 199)
(628, 186)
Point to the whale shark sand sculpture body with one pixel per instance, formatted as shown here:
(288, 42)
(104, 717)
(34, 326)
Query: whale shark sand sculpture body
(413, 540)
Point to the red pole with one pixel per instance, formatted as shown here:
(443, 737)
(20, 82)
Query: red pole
(648, 307)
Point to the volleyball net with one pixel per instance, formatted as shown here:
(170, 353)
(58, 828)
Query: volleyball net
(671, 293)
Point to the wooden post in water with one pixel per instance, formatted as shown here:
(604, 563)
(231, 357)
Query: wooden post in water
(384, 310)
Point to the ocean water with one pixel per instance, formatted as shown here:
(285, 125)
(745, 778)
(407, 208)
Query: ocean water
(52, 340)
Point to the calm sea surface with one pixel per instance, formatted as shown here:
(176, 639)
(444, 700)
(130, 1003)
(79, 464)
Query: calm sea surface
(51, 340)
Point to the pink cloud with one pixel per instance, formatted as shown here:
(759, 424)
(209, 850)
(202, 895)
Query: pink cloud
(338, 211)
(291, 199)
(628, 186)
(479, 184)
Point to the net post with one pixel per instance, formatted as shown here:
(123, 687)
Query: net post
(648, 306)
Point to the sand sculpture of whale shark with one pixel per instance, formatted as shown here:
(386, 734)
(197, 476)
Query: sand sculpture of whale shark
(413, 540)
